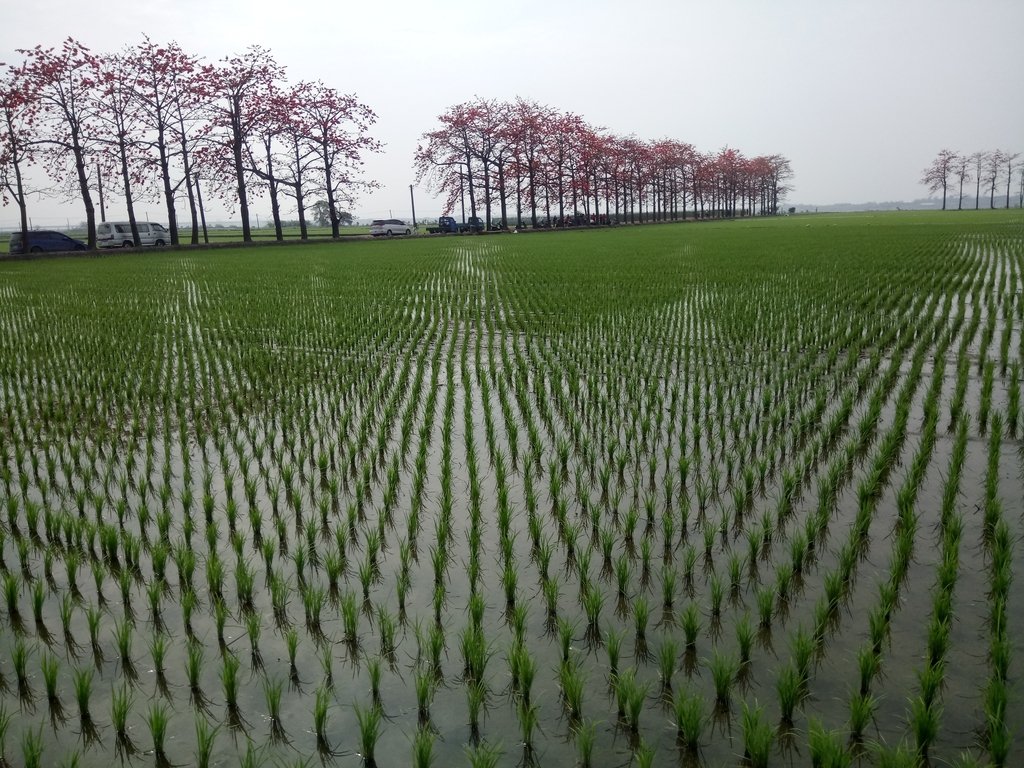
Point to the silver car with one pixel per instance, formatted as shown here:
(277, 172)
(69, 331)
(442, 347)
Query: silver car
(389, 227)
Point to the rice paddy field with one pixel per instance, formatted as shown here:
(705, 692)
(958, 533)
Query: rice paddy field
(741, 493)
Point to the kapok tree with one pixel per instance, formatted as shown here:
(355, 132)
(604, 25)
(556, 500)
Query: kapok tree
(337, 129)
(169, 94)
(62, 81)
(936, 176)
(16, 112)
(119, 127)
(237, 89)
(445, 158)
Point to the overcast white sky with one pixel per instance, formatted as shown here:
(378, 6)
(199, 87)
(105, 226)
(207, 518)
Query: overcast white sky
(859, 95)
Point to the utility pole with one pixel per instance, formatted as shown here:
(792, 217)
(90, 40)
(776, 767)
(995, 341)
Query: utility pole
(412, 201)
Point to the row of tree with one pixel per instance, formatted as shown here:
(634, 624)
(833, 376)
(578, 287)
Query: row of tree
(525, 157)
(152, 120)
(981, 168)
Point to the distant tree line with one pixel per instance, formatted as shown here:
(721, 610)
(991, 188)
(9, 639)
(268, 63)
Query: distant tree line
(986, 170)
(511, 160)
(154, 121)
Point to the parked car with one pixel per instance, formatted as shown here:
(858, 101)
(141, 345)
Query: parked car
(389, 227)
(40, 240)
(118, 234)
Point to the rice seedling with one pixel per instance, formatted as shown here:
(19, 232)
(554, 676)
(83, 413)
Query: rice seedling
(585, 734)
(572, 682)
(82, 680)
(158, 720)
(862, 713)
(724, 669)
(757, 736)
(205, 739)
(423, 748)
(272, 690)
(369, 721)
(320, 706)
(826, 747)
(425, 686)
(32, 747)
(50, 668)
(121, 705)
(690, 718)
(158, 652)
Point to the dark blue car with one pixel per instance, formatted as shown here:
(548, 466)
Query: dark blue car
(40, 240)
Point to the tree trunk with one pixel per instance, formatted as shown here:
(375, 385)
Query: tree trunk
(127, 181)
(236, 149)
(83, 184)
(165, 178)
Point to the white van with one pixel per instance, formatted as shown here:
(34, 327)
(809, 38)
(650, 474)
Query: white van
(118, 234)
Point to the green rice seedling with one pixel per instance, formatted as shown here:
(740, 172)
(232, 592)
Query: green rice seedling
(369, 720)
(925, 721)
(50, 668)
(19, 657)
(690, 718)
(765, 605)
(436, 645)
(691, 623)
(641, 618)
(188, 605)
(12, 591)
(517, 621)
(423, 748)
(272, 694)
(645, 754)
(869, 664)
(121, 703)
(350, 621)
(717, 595)
(484, 755)
(757, 736)
(158, 652)
(668, 655)
(735, 575)
(635, 696)
(205, 738)
(790, 688)
(573, 684)
(220, 620)
(529, 721)
(291, 639)
(230, 684)
(375, 670)
(593, 602)
(744, 641)
(566, 630)
(38, 602)
(158, 719)
(613, 646)
(724, 669)
(862, 714)
(803, 654)
(586, 737)
(425, 686)
(82, 680)
(253, 628)
(194, 674)
(321, 704)
(668, 590)
(826, 747)
(32, 747)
